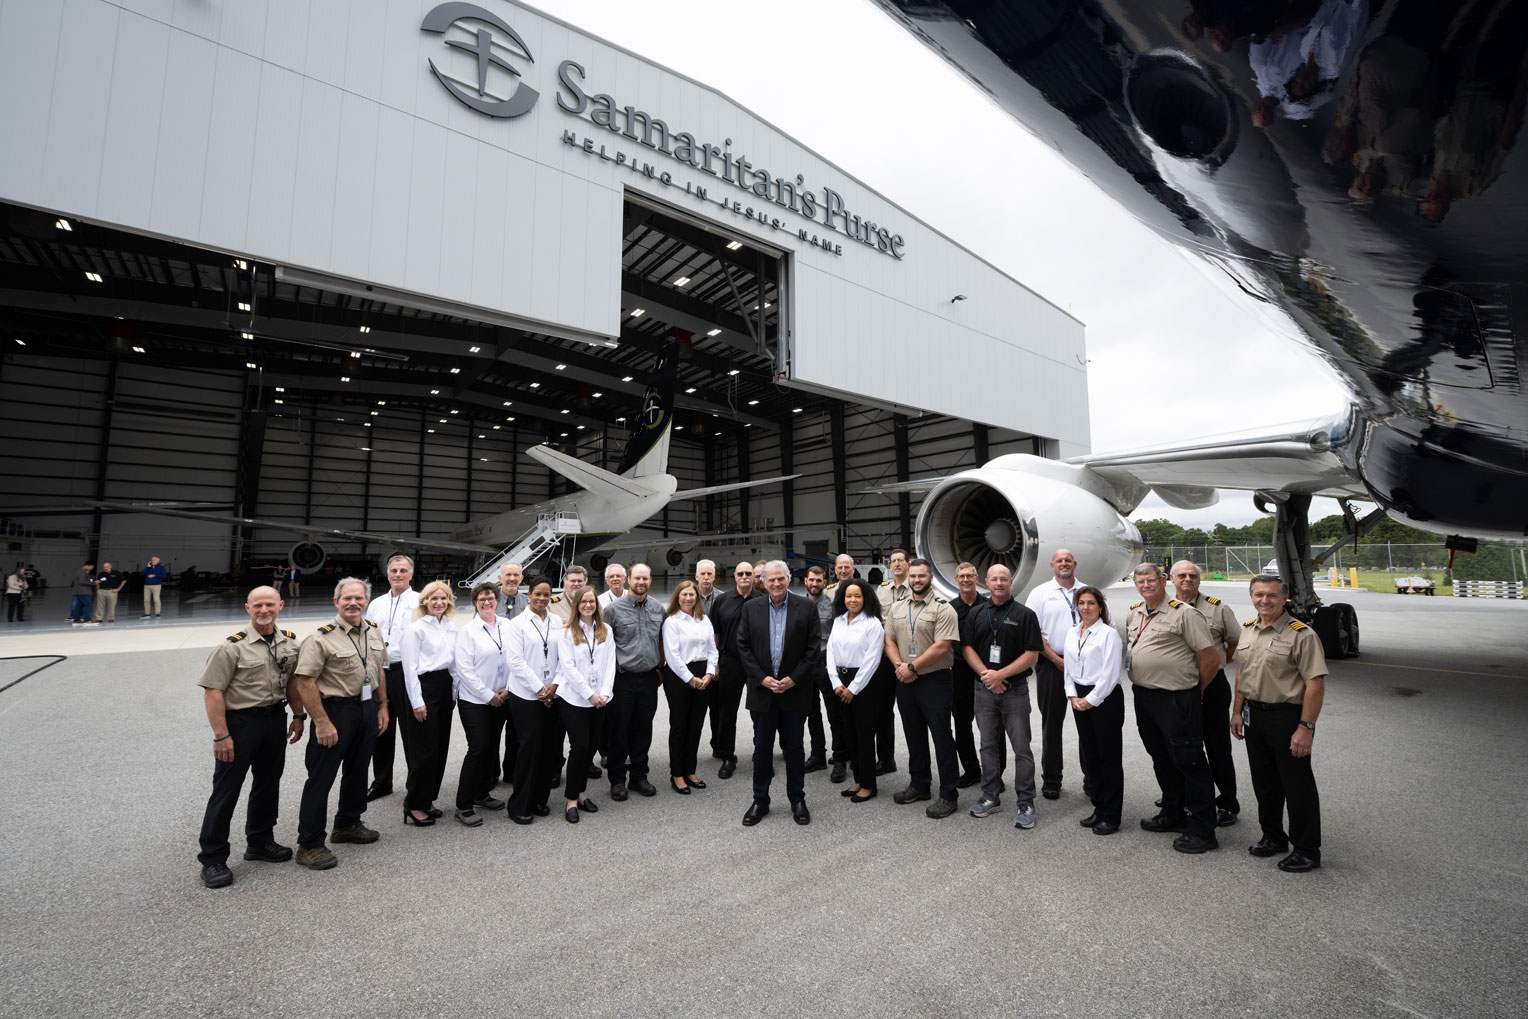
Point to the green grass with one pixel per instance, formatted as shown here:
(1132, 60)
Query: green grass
(1380, 581)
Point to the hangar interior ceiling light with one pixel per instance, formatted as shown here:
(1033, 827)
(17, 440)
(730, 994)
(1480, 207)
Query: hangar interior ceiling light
(240, 264)
(596, 396)
(716, 332)
(734, 372)
(137, 350)
(375, 413)
(690, 390)
(21, 343)
(563, 411)
(456, 371)
(626, 378)
(250, 364)
(474, 350)
(682, 281)
(509, 419)
(434, 392)
(562, 367)
(535, 385)
(93, 277)
(63, 224)
(366, 329)
(247, 335)
(509, 403)
(639, 312)
(753, 403)
(734, 245)
(456, 412)
(580, 427)
(281, 389)
(796, 410)
(243, 305)
(356, 354)
(497, 427)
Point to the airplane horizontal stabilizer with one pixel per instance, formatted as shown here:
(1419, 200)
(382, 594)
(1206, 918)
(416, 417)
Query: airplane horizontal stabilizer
(696, 493)
(593, 479)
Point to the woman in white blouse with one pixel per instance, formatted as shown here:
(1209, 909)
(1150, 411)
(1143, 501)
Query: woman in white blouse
(586, 682)
(532, 653)
(1093, 658)
(429, 648)
(689, 666)
(481, 675)
(855, 646)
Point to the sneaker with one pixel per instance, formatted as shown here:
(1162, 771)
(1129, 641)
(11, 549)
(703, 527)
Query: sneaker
(490, 803)
(269, 852)
(910, 795)
(940, 808)
(145, 616)
(469, 817)
(316, 859)
(984, 807)
(1025, 818)
(217, 875)
(357, 833)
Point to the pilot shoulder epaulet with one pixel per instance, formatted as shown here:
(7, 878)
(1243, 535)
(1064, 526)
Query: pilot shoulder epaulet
(1250, 621)
(237, 637)
(1175, 604)
(1212, 599)
(1295, 624)
(556, 598)
(370, 625)
(885, 583)
(326, 629)
(1137, 605)
(289, 635)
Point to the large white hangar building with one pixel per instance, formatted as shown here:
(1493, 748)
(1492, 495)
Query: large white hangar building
(338, 265)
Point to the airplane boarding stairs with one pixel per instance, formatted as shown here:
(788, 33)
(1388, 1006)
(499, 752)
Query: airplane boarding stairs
(549, 532)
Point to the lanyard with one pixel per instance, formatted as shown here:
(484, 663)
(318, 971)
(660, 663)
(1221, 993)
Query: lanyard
(1071, 605)
(588, 640)
(912, 620)
(493, 635)
(546, 637)
(360, 649)
(1150, 615)
(1082, 645)
(391, 613)
(993, 629)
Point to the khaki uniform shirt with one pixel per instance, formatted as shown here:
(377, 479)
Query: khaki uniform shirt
(932, 619)
(1273, 662)
(250, 672)
(333, 655)
(1165, 655)
(1222, 622)
(892, 593)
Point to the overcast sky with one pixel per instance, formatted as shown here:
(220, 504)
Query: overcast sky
(846, 81)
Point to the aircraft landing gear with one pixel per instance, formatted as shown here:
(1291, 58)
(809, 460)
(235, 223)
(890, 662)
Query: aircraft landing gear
(1335, 624)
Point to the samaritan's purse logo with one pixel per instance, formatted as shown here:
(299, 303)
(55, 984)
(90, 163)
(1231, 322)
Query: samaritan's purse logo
(521, 96)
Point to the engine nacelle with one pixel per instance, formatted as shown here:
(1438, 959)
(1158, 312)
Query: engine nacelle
(307, 556)
(1018, 509)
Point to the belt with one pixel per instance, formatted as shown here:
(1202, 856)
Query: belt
(264, 709)
(356, 699)
(1267, 706)
(435, 673)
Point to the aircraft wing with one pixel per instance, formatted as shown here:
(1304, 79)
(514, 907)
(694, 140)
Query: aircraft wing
(658, 541)
(696, 493)
(917, 486)
(601, 482)
(399, 540)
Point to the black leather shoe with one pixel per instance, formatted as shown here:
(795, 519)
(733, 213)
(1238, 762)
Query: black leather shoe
(885, 767)
(410, 819)
(522, 818)
(1161, 822)
(1156, 803)
(1051, 794)
(377, 791)
(589, 807)
(436, 813)
(682, 790)
(217, 875)
(1224, 818)
(816, 762)
(1298, 863)
(1105, 828)
(729, 765)
(910, 795)
(755, 813)
(594, 771)
(644, 787)
(1192, 844)
(695, 783)
(618, 792)
(604, 761)
(863, 796)
(570, 815)
(839, 773)
(1266, 846)
(1090, 820)
(542, 810)
(968, 780)
(800, 813)
(271, 852)
(848, 792)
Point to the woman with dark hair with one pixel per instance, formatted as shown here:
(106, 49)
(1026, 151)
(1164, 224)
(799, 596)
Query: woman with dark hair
(481, 676)
(689, 665)
(586, 674)
(532, 654)
(1093, 658)
(855, 647)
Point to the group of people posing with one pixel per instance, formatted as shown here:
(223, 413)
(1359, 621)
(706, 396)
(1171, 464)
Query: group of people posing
(558, 680)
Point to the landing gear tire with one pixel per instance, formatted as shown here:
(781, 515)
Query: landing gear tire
(597, 563)
(1328, 624)
(1350, 621)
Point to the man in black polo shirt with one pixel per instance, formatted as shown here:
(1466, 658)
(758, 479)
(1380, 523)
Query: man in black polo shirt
(963, 711)
(727, 692)
(1001, 641)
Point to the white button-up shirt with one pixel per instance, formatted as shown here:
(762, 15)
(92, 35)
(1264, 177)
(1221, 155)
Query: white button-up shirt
(428, 645)
(857, 644)
(1055, 606)
(1092, 659)
(685, 640)
(532, 652)
(585, 669)
(392, 614)
(480, 668)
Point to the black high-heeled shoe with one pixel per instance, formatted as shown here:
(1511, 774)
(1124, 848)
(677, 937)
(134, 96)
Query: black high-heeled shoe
(409, 818)
(436, 812)
(857, 798)
(695, 783)
(682, 790)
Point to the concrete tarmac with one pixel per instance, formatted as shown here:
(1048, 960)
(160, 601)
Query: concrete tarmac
(669, 907)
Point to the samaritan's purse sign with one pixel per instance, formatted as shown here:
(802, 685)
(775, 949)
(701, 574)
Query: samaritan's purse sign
(775, 197)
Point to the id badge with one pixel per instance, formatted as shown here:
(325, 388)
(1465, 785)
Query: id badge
(912, 652)
(995, 655)
(366, 689)
(500, 676)
(1246, 717)
(1127, 659)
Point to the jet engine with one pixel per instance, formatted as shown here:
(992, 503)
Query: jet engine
(1018, 509)
(307, 556)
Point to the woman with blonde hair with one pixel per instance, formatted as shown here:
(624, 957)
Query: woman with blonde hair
(689, 666)
(586, 674)
(429, 647)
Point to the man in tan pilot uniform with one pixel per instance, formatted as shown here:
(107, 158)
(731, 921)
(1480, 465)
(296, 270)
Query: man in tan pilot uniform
(245, 691)
(1280, 687)
(340, 677)
(892, 592)
(1171, 659)
(1225, 631)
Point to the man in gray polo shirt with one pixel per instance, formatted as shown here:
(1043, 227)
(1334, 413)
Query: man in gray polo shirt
(637, 622)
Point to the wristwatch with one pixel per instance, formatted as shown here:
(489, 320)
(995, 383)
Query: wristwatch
(1309, 725)
(299, 718)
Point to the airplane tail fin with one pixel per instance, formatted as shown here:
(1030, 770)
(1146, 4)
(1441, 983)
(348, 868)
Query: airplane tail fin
(647, 448)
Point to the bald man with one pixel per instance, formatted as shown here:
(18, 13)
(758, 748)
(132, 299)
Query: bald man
(1054, 602)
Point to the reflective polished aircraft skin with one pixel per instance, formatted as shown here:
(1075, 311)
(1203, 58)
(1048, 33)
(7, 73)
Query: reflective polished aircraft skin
(1353, 163)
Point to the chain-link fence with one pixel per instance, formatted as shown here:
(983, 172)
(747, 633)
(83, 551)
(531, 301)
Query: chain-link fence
(1494, 561)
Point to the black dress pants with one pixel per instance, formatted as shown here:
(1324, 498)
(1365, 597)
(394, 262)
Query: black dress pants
(540, 743)
(481, 724)
(1217, 741)
(355, 725)
(687, 716)
(583, 727)
(632, 707)
(925, 707)
(426, 744)
(864, 717)
(1281, 779)
(15, 610)
(817, 734)
(1100, 739)
(840, 725)
(259, 747)
(963, 714)
(768, 725)
(726, 697)
(1171, 724)
(511, 747)
(386, 749)
(1050, 694)
(886, 721)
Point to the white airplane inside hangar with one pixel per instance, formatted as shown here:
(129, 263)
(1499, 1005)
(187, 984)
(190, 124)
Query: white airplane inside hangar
(269, 300)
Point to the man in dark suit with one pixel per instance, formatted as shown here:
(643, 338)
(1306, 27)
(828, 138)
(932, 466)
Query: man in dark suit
(779, 640)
